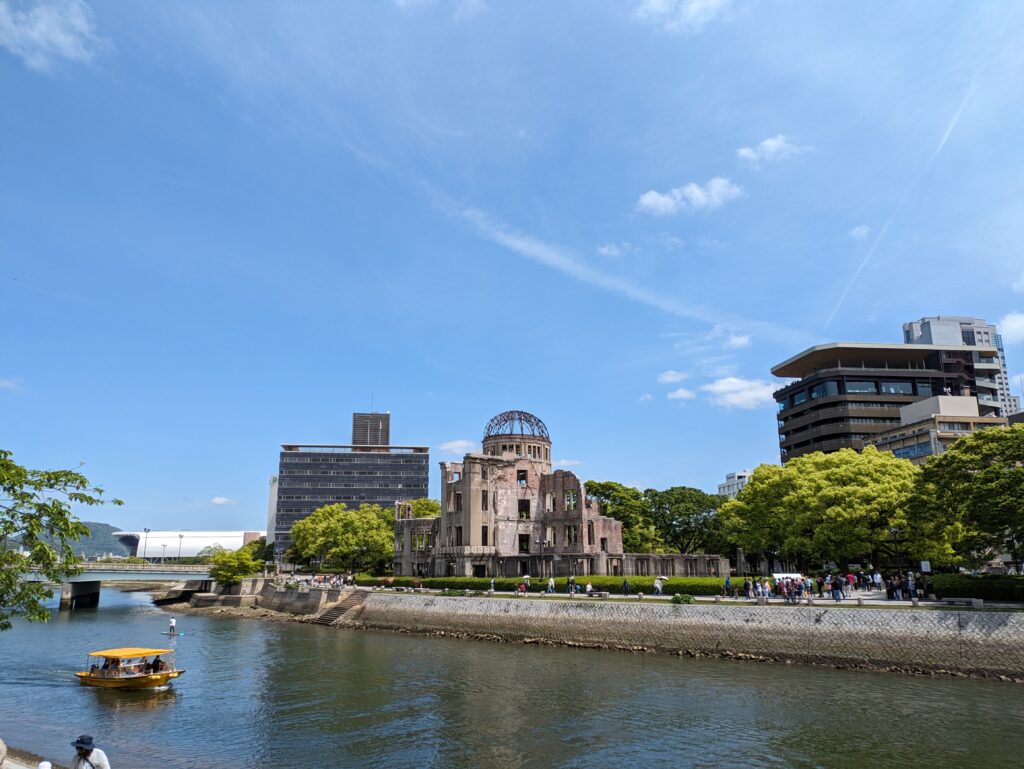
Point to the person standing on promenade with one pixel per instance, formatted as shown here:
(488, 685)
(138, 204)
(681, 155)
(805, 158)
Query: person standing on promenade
(657, 586)
(551, 584)
(87, 755)
(570, 586)
(625, 586)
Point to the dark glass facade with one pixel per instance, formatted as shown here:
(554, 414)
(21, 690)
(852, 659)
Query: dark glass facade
(313, 476)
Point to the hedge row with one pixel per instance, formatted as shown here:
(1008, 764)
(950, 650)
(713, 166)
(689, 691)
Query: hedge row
(991, 587)
(671, 586)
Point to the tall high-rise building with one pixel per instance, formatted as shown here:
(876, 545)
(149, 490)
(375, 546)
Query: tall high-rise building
(845, 393)
(371, 429)
(966, 331)
(368, 472)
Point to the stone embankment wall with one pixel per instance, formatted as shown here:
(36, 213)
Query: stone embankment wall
(263, 593)
(985, 643)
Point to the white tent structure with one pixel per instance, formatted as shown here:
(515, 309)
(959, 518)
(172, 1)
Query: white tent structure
(170, 545)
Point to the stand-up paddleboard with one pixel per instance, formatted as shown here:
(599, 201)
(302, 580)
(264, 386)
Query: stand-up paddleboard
(172, 635)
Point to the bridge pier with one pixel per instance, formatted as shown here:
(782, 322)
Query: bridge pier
(79, 595)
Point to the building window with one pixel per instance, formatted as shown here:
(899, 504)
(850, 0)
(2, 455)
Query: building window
(570, 499)
(862, 387)
(571, 537)
(483, 472)
(458, 501)
(483, 536)
(549, 536)
(799, 397)
(458, 536)
(483, 499)
(924, 388)
(524, 509)
(604, 544)
(451, 539)
(549, 501)
(521, 477)
(590, 533)
(956, 427)
(824, 390)
(524, 543)
(897, 388)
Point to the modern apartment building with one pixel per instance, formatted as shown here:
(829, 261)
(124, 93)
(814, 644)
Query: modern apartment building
(313, 475)
(928, 427)
(733, 483)
(966, 331)
(845, 393)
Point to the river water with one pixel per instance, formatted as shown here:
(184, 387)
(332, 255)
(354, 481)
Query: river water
(264, 695)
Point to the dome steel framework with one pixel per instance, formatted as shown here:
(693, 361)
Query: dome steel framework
(516, 423)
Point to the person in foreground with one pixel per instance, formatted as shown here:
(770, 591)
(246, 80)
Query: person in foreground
(87, 755)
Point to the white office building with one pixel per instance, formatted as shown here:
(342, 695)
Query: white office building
(733, 483)
(966, 331)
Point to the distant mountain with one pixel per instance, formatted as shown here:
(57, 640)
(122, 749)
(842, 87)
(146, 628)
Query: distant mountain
(101, 541)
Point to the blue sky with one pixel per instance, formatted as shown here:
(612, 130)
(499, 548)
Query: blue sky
(225, 226)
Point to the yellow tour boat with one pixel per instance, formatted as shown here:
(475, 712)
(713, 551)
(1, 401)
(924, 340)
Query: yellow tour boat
(130, 667)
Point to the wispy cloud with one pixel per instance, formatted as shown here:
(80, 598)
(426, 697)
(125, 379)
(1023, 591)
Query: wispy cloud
(223, 501)
(737, 341)
(681, 17)
(645, 397)
(458, 447)
(1011, 327)
(771, 150)
(557, 258)
(860, 232)
(10, 384)
(682, 394)
(735, 392)
(903, 201)
(48, 33)
(613, 250)
(671, 376)
(568, 463)
(1018, 285)
(691, 197)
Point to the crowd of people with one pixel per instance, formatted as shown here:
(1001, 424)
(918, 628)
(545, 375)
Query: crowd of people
(793, 588)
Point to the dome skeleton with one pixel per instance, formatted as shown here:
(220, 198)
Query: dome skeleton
(516, 423)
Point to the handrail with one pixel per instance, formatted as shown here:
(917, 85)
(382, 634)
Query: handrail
(182, 569)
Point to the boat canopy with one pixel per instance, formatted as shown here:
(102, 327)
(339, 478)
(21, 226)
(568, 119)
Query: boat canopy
(129, 651)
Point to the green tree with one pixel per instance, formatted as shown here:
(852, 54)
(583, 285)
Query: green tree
(347, 539)
(259, 549)
(687, 519)
(425, 508)
(974, 493)
(826, 507)
(629, 506)
(230, 567)
(35, 515)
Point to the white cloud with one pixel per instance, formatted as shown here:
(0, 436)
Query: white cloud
(1011, 327)
(48, 32)
(458, 447)
(1018, 285)
(613, 249)
(645, 397)
(736, 392)
(737, 341)
(860, 232)
(10, 384)
(671, 376)
(682, 17)
(682, 394)
(568, 463)
(671, 242)
(770, 150)
(693, 197)
(467, 9)
(223, 501)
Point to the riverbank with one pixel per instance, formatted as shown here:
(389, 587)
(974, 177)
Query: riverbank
(984, 644)
(23, 759)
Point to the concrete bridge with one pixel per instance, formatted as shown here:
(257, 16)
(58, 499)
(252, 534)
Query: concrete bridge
(82, 591)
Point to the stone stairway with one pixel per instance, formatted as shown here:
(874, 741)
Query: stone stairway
(350, 603)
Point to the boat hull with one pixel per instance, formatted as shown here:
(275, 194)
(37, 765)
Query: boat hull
(148, 681)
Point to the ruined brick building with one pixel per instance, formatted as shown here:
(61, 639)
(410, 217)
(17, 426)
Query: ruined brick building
(505, 513)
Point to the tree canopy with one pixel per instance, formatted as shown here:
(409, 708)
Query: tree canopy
(347, 539)
(973, 494)
(826, 507)
(229, 567)
(629, 506)
(425, 508)
(686, 519)
(35, 515)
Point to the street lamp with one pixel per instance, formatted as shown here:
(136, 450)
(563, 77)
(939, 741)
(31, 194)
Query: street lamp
(180, 537)
(163, 554)
(145, 543)
(543, 543)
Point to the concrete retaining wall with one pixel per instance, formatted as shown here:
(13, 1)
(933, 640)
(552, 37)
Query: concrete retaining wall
(988, 643)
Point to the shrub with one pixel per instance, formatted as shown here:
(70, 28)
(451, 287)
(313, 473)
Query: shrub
(682, 598)
(991, 587)
(672, 586)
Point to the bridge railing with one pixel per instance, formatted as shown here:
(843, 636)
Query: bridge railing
(188, 569)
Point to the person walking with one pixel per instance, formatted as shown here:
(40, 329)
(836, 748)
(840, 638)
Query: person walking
(625, 586)
(551, 584)
(87, 755)
(571, 585)
(657, 586)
